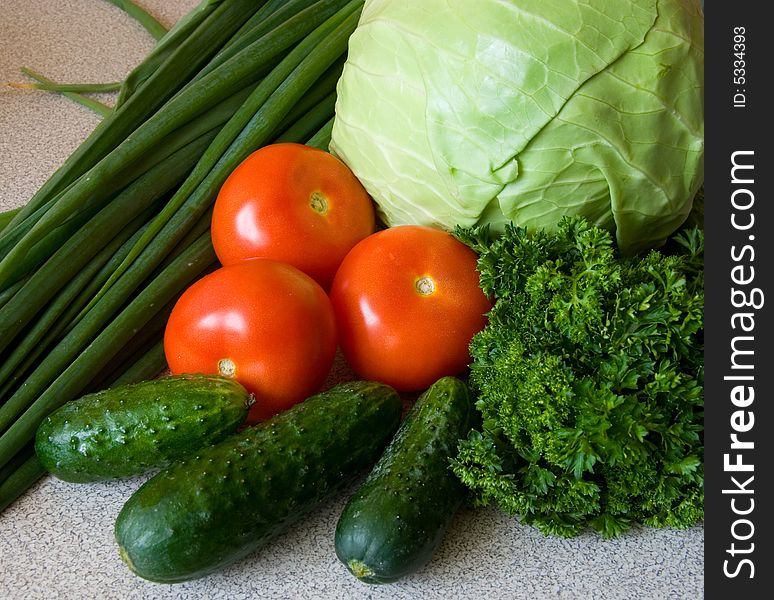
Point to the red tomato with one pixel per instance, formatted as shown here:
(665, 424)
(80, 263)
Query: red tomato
(407, 302)
(295, 204)
(261, 321)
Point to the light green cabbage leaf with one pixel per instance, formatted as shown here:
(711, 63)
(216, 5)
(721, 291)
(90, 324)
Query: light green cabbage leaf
(464, 112)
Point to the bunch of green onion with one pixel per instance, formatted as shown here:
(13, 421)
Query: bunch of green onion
(92, 264)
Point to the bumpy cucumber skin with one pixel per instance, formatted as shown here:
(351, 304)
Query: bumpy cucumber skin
(394, 522)
(209, 511)
(128, 430)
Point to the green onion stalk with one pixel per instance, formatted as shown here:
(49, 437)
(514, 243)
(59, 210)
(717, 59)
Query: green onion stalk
(91, 266)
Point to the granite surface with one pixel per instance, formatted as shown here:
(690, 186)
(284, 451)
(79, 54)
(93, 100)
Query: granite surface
(57, 540)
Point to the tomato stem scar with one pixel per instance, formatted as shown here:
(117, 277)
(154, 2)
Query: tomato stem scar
(226, 367)
(318, 203)
(425, 286)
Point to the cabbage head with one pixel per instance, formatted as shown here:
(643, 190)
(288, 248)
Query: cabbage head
(466, 112)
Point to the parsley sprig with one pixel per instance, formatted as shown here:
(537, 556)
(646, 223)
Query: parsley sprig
(589, 377)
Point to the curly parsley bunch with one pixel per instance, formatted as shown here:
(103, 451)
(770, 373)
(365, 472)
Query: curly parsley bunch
(589, 377)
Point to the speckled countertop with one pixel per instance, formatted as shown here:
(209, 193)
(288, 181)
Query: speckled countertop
(57, 540)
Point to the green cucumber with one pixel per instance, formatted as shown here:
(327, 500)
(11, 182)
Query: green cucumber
(130, 429)
(393, 523)
(204, 513)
